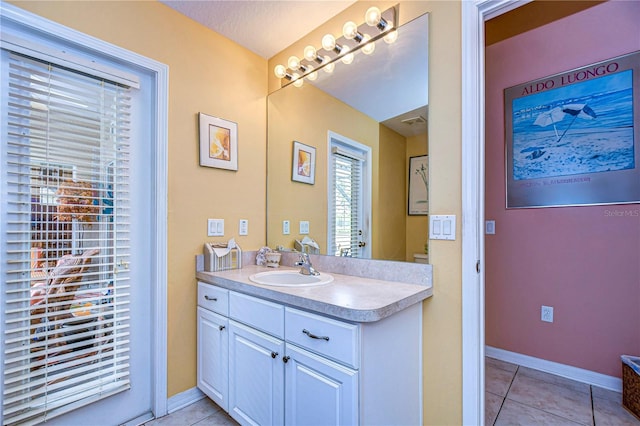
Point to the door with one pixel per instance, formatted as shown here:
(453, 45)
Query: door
(349, 183)
(318, 391)
(213, 356)
(256, 376)
(76, 242)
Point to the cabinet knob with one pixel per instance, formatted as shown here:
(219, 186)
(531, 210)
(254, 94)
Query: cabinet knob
(215, 299)
(285, 359)
(222, 327)
(274, 354)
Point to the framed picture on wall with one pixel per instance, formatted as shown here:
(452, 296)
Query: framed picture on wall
(304, 163)
(419, 185)
(574, 138)
(218, 142)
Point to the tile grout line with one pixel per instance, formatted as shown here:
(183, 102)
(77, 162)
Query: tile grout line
(593, 408)
(506, 394)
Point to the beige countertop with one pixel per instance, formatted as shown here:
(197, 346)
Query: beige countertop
(347, 297)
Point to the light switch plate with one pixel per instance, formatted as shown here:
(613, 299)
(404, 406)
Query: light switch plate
(215, 227)
(286, 227)
(304, 227)
(442, 227)
(243, 227)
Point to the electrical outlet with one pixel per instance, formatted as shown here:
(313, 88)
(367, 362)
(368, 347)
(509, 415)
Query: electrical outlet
(490, 227)
(286, 227)
(546, 313)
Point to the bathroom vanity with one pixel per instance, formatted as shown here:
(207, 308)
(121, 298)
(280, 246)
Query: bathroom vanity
(345, 353)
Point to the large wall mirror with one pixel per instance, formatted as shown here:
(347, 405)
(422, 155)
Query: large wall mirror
(354, 135)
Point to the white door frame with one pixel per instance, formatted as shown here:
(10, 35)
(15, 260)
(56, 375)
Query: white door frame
(474, 15)
(160, 73)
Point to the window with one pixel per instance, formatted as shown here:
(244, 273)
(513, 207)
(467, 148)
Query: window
(67, 248)
(348, 198)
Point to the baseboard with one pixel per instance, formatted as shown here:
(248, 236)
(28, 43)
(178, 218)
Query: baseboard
(574, 373)
(183, 399)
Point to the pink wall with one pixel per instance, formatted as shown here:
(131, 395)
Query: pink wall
(583, 261)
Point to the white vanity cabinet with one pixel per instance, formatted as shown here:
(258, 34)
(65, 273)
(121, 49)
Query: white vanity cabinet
(290, 366)
(256, 370)
(213, 343)
(318, 391)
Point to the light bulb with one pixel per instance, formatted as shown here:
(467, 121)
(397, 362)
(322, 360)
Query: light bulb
(293, 62)
(347, 57)
(280, 71)
(297, 81)
(369, 46)
(328, 68)
(328, 42)
(350, 30)
(391, 37)
(313, 75)
(310, 53)
(373, 16)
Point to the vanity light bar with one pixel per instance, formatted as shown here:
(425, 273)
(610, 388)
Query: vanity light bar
(377, 25)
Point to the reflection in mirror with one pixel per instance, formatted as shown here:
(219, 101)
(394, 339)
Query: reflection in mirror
(366, 119)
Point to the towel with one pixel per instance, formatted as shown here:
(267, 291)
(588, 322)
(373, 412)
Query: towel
(221, 249)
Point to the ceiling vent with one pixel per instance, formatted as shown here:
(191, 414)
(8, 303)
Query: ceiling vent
(414, 120)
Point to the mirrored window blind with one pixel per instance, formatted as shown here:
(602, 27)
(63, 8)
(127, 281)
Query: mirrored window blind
(66, 245)
(345, 209)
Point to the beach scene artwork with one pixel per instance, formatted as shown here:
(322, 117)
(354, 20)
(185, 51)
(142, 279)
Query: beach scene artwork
(582, 128)
(573, 138)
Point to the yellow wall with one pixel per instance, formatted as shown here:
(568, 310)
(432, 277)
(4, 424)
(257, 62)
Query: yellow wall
(417, 226)
(210, 74)
(305, 114)
(389, 237)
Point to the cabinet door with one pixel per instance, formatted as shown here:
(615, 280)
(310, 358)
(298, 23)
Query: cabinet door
(256, 376)
(319, 391)
(213, 356)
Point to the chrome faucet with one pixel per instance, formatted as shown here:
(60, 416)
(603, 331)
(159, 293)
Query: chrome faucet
(307, 267)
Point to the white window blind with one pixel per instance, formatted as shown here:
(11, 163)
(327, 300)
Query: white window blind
(66, 243)
(345, 209)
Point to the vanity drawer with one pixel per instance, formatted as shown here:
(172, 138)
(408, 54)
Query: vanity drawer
(213, 298)
(257, 313)
(334, 339)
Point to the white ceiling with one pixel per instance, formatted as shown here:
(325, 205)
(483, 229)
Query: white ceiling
(265, 27)
(391, 85)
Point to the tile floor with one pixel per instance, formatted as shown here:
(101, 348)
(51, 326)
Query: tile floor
(201, 413)
(515, 395)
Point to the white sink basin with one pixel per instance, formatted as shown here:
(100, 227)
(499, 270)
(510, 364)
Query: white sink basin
(290, 278)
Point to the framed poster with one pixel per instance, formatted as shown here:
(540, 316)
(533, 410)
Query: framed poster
(304, 163)
(419, 185)
(573, 138)
(218, 143)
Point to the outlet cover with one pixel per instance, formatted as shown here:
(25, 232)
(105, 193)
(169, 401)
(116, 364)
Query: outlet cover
(546, 313)
(286, 227)
(490, 227)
